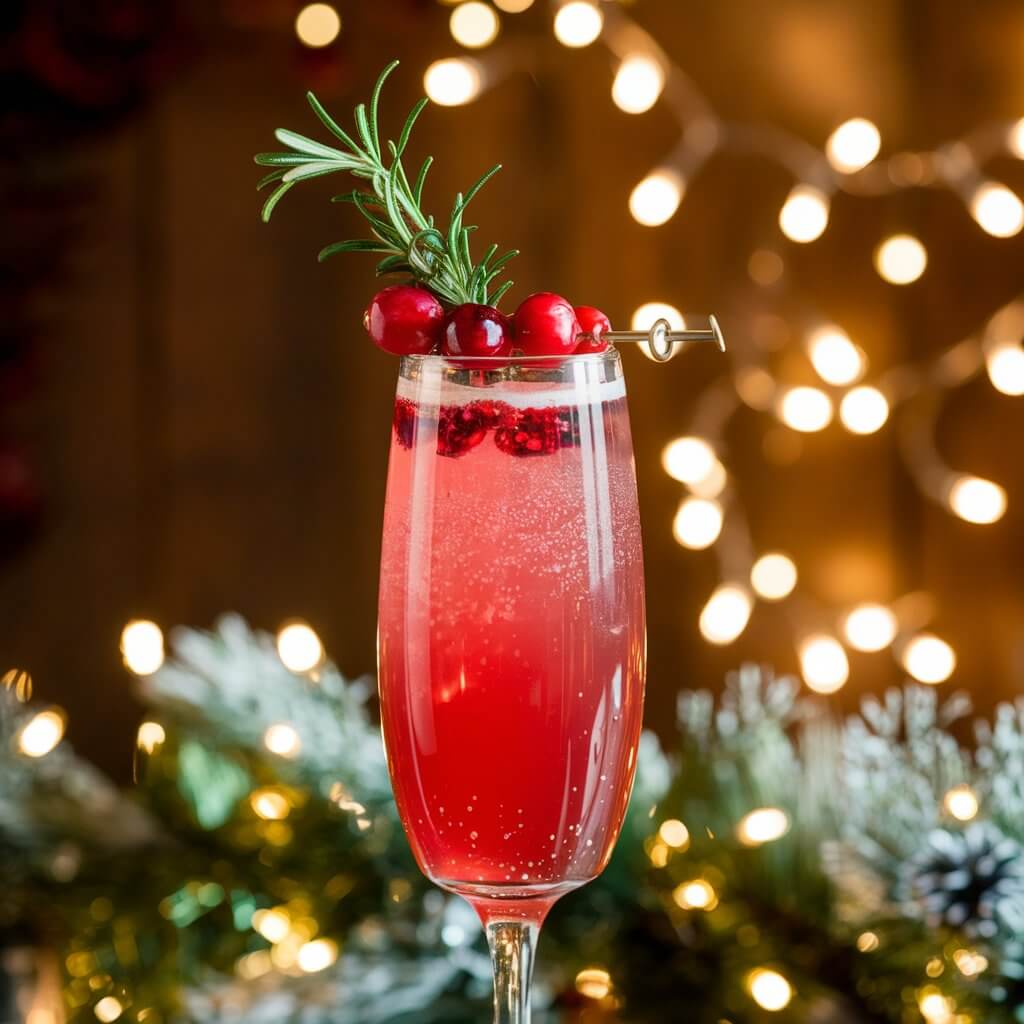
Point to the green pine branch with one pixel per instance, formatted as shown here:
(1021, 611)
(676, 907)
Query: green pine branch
(403, 235)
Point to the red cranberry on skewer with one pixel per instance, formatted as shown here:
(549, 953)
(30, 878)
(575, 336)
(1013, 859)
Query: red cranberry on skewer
(546, 325)
(475, 330)
(404, 320)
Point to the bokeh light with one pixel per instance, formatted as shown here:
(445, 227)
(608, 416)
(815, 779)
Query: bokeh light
(299, 647)
(773, 576)
(675, 834)
(697, 523)
(655, 199)
(997, 210)
(961, 803)
(870, 627)
(317, 25)
(764, 825)
(108, 1009)
(578, 23)
(474, 24)
(1005, 365)
(41, 733)
(689, 459)
(834, 356)
(928, 659)
(901, 259)
(151, 735)
(805, 409)
(1015, 139)
(645, 316)
(270, 805)
(977, 500)
(638, 84)
(769, 989)
(698, 894)
(142, 647)
(804, 215)
(273, 925)
(823, 663)
(593, 983)
(317, 955)
(726, 614)
(453, 81)
(853, 145)
(283, 740)
(863, 410)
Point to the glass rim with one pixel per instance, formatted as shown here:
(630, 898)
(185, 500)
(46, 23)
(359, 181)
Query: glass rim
(470, 362)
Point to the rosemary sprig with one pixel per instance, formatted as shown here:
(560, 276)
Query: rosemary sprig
(408, 240)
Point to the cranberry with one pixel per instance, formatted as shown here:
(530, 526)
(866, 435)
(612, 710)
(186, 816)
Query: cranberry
(405, 422)
(535, 431)
(475, 330)
(462, 427)
(593, 322)
(546, 325)
(404, 320)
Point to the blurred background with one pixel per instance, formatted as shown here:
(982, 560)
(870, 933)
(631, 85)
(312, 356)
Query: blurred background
(193, 420)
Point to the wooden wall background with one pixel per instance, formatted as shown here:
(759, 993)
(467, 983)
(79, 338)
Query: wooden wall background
(214, 425)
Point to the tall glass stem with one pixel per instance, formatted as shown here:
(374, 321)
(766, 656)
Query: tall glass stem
(512, 951)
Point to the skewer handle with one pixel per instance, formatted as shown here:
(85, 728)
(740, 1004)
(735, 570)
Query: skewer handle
(661, 339)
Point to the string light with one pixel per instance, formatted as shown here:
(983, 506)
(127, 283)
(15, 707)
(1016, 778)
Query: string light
(997, 210)
(655, 199)
(773, 576)
(929, 659)
(870, 627)
(726, 614)
(142, 647)
(41, 733)
(638, 84)
(150, 736)
(108, 1009)
(764, 825)
(299, 647)
(823, 663)
(834, 356)
(806, 409)
(698, 894)
(474, 25)
(697, 523)
(863, 410)
(283, 740)
(804, 215)
(270, 805)
(675, 834)
(769, 989)
(578, 23)
(273, 925)
(961, 803)
(453, 81)
(317, 25)
(976, 500)
(689, 459)
(593, 983)
(1005, 365)
(317, 955)
(901, 259)
(513, 6)
(853, 145)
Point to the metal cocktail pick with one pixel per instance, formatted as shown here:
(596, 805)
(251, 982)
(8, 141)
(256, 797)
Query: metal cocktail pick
(661, 339)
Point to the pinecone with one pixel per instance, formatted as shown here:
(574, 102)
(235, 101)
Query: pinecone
(971, 880)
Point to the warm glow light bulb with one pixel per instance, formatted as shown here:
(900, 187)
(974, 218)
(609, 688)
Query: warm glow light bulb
(929, 659)
(150, 736)
(726, 614)
(764, 825)
(977, 500)
(142, 647)
(474, 24)
(1015, 139)
(773, 576)
(655, 199)
(696, 895)
(997, 210)
(578, 23)
(41, 733)
(853, 145)
(697, 523)
(452, 82)
(863, 410)
(901, 259)
(1005, 365)
(299, 647)
(835, 358)
(689, 459)
(935, 1008)
(806, 409)
(870, 627)
(317, 955)
(317, 25)
(961, 803)
(823, 663)
(638, 84)
(674, 833)
(108, 1009)
(283, 740)
(804, 215)
(769, 989)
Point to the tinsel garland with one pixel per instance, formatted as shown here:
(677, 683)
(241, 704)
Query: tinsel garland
(774, 859)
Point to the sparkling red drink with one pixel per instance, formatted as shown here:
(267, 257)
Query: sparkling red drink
(511, 631)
